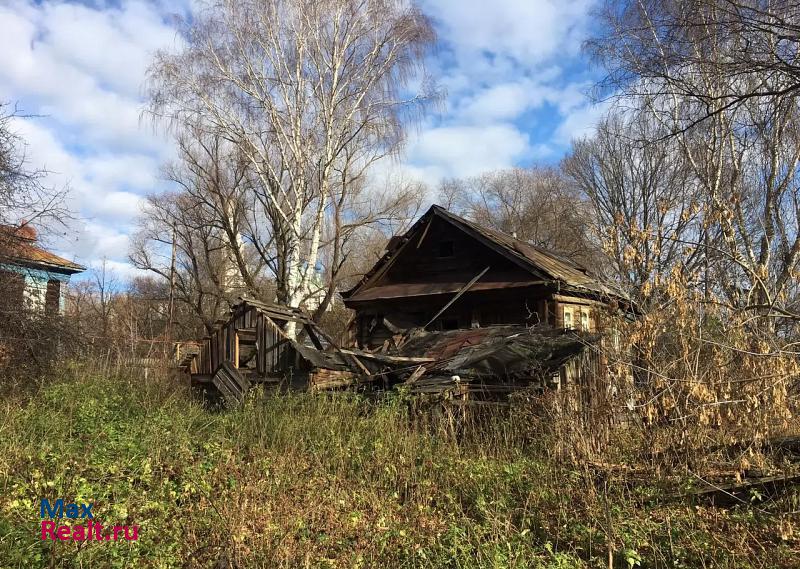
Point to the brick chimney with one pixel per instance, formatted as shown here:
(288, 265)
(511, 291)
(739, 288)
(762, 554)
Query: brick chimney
(26, 231)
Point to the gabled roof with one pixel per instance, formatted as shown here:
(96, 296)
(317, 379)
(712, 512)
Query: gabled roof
(19, 248)
(545, 266)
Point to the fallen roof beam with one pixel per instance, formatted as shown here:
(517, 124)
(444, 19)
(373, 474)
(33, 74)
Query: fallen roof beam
(464, 289)
(388, 359)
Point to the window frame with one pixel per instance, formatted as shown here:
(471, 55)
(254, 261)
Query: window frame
(588, 324)
(568, 310)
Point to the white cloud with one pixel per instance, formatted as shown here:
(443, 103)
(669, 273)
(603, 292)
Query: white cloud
(523, 30)
(80, 70)
(83, 67)
(114, 46)
(95, 240)
(500, 102)
(136, 171)
(506, 65)
(119, 205)
(580, 122)
(43, 149)
(467, 150)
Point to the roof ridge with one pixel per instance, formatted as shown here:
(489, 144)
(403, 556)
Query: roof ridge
(491, 232)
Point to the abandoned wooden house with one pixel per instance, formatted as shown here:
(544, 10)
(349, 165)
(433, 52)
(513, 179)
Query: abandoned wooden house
(448, 273)
(452, 310)
(31, 276)
(484, 364)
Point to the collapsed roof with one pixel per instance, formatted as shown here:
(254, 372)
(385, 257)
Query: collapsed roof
(493, 358)
(505, 352)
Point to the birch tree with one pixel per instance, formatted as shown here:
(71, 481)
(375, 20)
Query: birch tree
(719, 76)
(312, 92)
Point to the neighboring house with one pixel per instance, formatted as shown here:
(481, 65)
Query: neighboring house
(32, 276)
(447, 273)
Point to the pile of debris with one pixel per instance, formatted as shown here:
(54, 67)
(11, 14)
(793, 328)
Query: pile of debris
(479, 364)
(484, 363)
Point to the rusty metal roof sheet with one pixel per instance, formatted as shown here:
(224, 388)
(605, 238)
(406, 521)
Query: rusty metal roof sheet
(24, 251)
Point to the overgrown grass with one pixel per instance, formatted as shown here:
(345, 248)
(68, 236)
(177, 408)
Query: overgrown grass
(336, 481)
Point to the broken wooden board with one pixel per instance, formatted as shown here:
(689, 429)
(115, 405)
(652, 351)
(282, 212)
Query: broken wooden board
(387, 358)
(419, 372)
(233, 386)
(322, 379)
(744, 492)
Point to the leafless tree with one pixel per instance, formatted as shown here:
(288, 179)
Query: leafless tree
(645, 201)
(311, 93)
(212, 200)
(215, 176)
(719, 77)
(23, 192)
(673, 48)
(202, 254)
(105, 283)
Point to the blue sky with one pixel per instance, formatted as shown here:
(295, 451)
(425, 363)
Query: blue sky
(515, 79)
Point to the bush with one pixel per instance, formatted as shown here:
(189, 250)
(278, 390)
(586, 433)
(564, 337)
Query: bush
(335, 481)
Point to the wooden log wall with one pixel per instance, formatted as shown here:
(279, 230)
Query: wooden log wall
(275, 351)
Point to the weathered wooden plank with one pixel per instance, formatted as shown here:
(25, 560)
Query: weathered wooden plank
(387, 358)
(261, 359)
(231, 383)
(419, 372)
(742, 492)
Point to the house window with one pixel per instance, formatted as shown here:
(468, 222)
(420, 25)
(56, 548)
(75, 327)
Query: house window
(12, 287)
(585, 319)
(569, 318)
(445, 249)
(52, 298)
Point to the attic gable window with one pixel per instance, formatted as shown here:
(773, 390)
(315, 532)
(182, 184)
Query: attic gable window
(446, 249)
